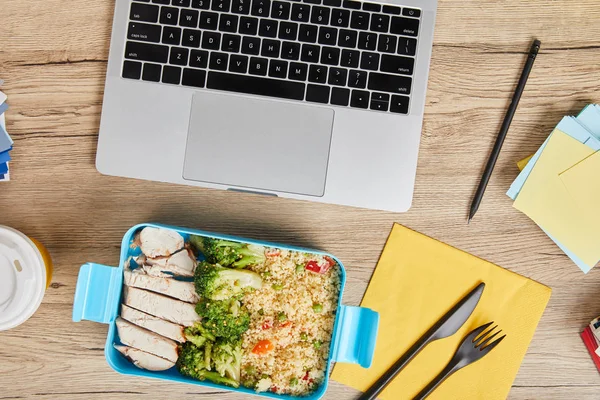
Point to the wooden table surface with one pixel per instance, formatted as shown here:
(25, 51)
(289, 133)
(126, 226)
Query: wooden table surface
(53, 57)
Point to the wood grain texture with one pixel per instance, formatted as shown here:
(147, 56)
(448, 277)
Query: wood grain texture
(53, 59)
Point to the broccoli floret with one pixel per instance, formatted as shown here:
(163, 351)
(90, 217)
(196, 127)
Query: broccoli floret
(198, 335)
(227, 253)
(227, 358)
(224, 318)
(191, 362)
(218, 283)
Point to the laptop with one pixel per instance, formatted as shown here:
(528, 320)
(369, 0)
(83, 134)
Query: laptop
(318, 100)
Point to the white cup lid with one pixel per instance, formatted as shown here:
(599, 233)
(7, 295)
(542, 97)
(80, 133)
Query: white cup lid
(22, 278)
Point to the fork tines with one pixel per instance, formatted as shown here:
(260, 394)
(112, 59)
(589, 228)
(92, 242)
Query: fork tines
(482, 337)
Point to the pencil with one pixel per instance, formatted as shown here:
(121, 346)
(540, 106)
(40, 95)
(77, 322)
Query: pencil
(489, 168)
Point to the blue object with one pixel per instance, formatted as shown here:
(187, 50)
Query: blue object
(5, 157)
(3, 108)
(3, 168)
(5, 140)
(98, 295)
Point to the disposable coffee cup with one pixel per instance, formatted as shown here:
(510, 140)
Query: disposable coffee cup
(25, 274)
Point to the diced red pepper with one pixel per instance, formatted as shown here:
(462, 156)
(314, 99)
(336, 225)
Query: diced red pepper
(268, 324)
(305, 377)
(314, 266)
(274, 389)
(285, 324)
(263, 347)
(273, 252)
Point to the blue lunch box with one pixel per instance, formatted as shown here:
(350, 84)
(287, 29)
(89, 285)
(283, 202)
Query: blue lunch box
(98, 296)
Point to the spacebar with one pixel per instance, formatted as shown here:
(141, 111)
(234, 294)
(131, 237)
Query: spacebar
(254, 85)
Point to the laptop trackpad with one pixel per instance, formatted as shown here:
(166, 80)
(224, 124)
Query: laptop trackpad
(258, 144)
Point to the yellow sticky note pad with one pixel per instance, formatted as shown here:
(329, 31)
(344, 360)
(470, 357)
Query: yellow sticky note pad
(583, 183)
(546, 200)
(417, 281)
(523, 163)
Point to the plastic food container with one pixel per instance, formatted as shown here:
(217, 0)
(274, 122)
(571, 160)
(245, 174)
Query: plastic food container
(98, 296)
(25, 274)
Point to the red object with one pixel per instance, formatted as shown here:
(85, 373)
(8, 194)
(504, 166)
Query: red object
(273, 253)
(313, 266)
(286, 323)
(305, 377)
(590, 343)
(263, 347)
(268, 324)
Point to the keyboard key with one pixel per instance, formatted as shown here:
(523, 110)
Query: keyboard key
(218, 61)
(308, 33)
(320, 15)
(312, 1)
(151, 72)
(350, 58)
(211, 40)
(405, 26)
(146, 52)
(357, 79)
(330, 55)
(407, 46)
(411, 12)
(290, 51)
(240, 7)
(208, 20)
(347, 38)
(231, 43)
(161, 1)
(318, 74)
(171, 35)
(379, 105)
(397, 64)
(193, 77)
(380, 96)
(270, 48)
(199, 58)
(143, 32)
(143, 12)
(337, 76)
(367, 41)
(300, 12)
(280, 10)
(221, 5)
(250, 45)
(260, 8)
(369, 61)
(340, 17)
(371, 7)
(310, 53)
(132, 70)
(238, 64)
(355, 5)
(171, 75)
(387, 44)
(248, 26)
(333, 3)
(399, 104)
(258, 66)
(380, 23)
(359, 20)
(389, 83)
(392, 10)
(360, 99)
(340, 97)
(327, 35)
(201, 4)
(278, 69)
(191, 38)
(317, 94)
(181, 3)
(298, 71)
(179, 56)
(288, 30)
(228, 23)
(189, 18)
(169, 16)
(267, 28)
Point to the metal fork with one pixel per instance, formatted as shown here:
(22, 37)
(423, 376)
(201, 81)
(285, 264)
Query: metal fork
(473, 347)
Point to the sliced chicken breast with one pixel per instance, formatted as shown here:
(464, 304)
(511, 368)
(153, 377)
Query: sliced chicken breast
(156, 270)
(171, 287)
(150, 342)
(152, 323)
(160, 242)
(160, 306)
(144, 360)
(182, 263)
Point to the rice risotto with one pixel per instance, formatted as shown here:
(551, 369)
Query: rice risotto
(293, 316)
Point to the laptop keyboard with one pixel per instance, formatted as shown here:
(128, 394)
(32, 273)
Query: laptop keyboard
(338, 52)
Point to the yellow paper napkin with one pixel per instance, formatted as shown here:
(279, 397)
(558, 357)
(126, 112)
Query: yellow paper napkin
(419, 279)
(583, 184)
(546, 200)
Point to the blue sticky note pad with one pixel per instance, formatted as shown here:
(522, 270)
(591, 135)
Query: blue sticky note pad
(3, 108)
(5, 140)
(3, 168)
(5, 157)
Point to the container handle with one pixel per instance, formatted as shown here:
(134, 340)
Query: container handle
(97, 287)
(356, 336)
